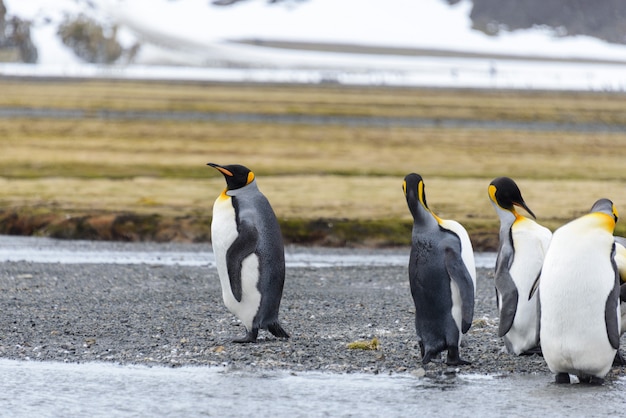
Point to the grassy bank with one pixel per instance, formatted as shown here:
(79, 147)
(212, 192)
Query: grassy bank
(329, 184)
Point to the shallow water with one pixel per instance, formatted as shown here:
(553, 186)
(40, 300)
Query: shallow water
(58, 389)
(47, 250)
(30, 388)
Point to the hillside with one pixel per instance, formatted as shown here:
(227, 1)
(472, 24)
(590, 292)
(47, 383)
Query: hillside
(602, 19)
(114, 31)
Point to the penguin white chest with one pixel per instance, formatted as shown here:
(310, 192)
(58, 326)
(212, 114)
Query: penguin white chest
(223, 233)
(530, 241)
(576, 280)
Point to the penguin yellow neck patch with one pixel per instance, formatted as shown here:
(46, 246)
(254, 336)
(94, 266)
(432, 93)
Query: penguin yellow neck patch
(422, 198)
(223, 195)
(606, 222)
(421, 195)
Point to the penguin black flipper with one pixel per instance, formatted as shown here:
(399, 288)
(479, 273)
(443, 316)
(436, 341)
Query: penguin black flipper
(458, 272)
(505, 286)
(610, 309)
(244, 245)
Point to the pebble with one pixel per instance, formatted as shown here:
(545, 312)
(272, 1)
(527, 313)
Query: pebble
(174, 316)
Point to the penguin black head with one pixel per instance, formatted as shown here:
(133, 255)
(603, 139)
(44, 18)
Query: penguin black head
(504, 192)
(413, 187)
(236, 175)
(605, 206)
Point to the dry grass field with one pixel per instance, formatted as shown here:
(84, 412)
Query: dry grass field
(348, 175)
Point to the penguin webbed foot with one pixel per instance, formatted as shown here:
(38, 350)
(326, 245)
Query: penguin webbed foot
(532, 351)
(591, 380)
(429, 357)
(250, 337)
(458, 361)
(562, 378)
(454, 359)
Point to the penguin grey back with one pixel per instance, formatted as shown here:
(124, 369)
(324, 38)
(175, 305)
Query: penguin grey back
(254, 210)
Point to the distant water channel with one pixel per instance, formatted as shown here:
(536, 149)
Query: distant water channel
(293, 119)
(54, 389)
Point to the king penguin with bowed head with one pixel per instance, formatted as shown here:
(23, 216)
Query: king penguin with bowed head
(249, 253)
(523, 245)
(442, 277)
(579, 292)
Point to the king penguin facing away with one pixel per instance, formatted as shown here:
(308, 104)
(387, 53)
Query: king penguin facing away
(579, 297)
(442, 276)
(249, 253)
(523, 244)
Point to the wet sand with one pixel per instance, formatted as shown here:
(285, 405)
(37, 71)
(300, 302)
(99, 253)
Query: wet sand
(174, 316)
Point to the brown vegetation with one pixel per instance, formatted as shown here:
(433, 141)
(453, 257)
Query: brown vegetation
(146, 178)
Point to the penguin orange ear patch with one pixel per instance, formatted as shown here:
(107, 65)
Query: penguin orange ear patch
(250, 177)
(492, 193)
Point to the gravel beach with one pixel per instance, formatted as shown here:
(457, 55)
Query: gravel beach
(174, 316)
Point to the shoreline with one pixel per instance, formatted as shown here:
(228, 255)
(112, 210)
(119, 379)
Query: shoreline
(173, 316)
(135, 227)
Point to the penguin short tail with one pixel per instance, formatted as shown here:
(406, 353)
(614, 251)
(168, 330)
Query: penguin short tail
(277, 330)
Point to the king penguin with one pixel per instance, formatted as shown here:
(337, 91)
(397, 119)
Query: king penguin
(620, 262)
(249, 253)
(579, 297)
(442, 277)
(522, 247)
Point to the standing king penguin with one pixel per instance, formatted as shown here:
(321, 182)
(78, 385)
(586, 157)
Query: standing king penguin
(579, 297)
(523, 245)
(442, 276)
(620, 261)
(249, 253)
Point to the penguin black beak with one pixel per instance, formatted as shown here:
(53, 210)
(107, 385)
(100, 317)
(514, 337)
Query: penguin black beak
(221, 169)
(522, 204)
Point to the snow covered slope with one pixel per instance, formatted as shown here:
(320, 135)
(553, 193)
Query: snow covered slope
(194, 39)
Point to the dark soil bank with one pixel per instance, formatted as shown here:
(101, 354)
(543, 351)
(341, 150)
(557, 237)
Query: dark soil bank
(172, 315)
(129, 227)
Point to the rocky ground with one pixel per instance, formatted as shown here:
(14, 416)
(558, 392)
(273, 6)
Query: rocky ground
(172, 315)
